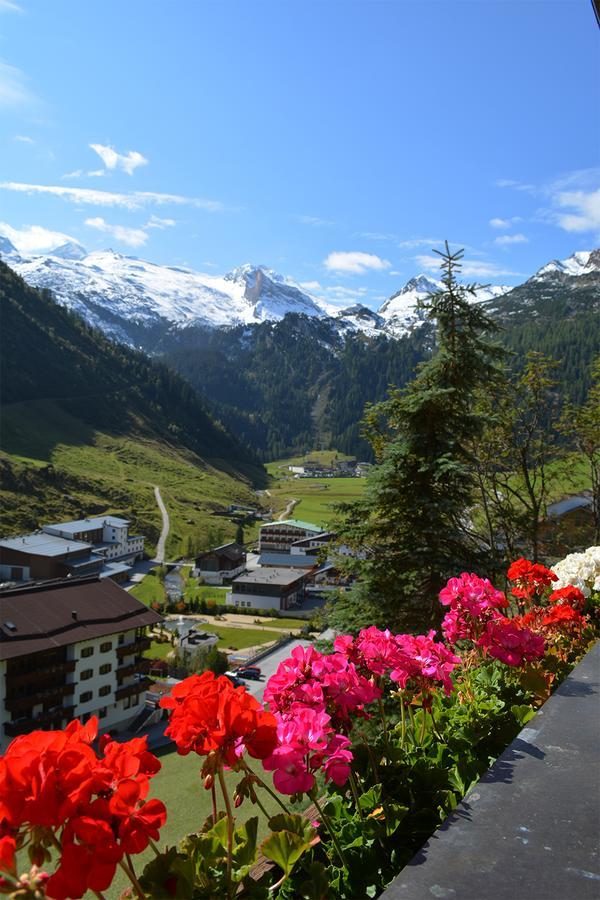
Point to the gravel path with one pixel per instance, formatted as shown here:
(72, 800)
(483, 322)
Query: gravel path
(160, 547)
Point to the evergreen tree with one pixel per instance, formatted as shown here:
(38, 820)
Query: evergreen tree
(239, 533)
(582, 426)
(412, 527)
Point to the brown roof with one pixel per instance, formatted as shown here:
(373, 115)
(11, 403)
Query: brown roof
(42, 617)
(232, 551)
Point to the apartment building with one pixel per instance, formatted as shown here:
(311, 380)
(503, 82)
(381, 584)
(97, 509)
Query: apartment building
(268, 588)
(71, 650)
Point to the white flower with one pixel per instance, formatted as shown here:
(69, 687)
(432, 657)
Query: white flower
(582, 570)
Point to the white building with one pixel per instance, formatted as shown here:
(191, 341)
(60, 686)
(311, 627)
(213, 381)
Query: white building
(268, 588)
(109, 536)
(71, 650)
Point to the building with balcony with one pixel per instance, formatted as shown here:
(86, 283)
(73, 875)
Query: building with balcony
(71, 650)
(269, 588)
(221, 564)
(307, 553)
(277, 537)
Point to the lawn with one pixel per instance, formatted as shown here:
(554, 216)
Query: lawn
(240, 638)
(317, 496)
(149, 590)
(158, 650)
(179, 786)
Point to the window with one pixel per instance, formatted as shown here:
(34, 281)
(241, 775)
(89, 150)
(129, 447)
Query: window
(106, 647)
(105, 669)
(104, 690)
(87, 651)
(87, 695)
(121, 640)
(87, 673)
(102, 713)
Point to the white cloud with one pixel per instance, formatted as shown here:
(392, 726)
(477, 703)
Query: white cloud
(377, 236)
(584, 212)
(13, 90)
(355, 262)
(133, 200)
(76, 173)
(128, 162)
(157, 222)
(315, 221)
(469, 269)
(504, 223)
(23, 139)
(32, 239)
(516, 185)
(97, 173)
(133, 237)
(311, 285)
(420, 242)
(394, 273)
(10, 6)
(505, 239)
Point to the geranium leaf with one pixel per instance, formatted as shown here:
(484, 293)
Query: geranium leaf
(284, 848)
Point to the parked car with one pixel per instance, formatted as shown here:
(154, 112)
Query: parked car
(234, 678)
(249, 672)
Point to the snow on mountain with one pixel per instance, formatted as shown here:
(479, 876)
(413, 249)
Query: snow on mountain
(7, 248)
(583, 262)
(113, 291)
(122, 294)
(401, 314)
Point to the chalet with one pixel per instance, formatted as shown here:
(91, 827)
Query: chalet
(279, 536)
(268, 588)
(568, 523)
(71, 650)
(221, 564)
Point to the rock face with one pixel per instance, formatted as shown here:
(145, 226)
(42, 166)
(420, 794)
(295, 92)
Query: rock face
(129, 298)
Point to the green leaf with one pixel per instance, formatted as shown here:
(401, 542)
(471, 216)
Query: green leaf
(295, 823)
(284, 848)
(522, 713)
(317, 885)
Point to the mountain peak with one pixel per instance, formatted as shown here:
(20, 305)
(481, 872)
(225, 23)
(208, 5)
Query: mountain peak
(7, 248)
(421, 283)
(583, 262)
(69, 250)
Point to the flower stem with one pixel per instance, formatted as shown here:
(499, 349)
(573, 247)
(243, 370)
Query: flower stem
(354, 788)
(131, 875)
(328, 826)
(213, 791)
(269, 790)
(434, 726)
(403, 716)
(229, 830)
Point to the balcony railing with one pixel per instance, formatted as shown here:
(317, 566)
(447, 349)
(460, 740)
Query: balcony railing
(49, 720)
(42, 674)
(140, 666)
(25, 701)
(137, 687)
(137, 646)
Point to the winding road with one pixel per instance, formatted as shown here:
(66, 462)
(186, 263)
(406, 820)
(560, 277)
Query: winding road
(160, 547)
(287, 511)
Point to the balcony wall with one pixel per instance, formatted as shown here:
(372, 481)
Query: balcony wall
(529, 827)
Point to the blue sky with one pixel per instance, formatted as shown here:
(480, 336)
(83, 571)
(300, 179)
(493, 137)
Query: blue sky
(335, 140)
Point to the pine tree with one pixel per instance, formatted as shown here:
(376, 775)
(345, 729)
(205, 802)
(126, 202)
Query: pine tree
(412, 527)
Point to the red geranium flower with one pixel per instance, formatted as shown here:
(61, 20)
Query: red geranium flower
(571, 595)
(210, 715)
(562, 614)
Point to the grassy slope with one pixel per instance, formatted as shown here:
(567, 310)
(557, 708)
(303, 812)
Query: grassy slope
(98, 472)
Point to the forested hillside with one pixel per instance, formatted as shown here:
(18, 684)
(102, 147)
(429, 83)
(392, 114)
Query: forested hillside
(290, 386)
(88, 424)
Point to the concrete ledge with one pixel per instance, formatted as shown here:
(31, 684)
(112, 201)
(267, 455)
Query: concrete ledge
(529, 830)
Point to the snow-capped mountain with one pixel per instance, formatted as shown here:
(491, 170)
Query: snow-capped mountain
(401, 313)
(585, 262)
(128, 297)
(115, 292)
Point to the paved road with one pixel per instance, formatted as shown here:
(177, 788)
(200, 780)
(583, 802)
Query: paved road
(160, 547)
(269, 664)
(288, 510)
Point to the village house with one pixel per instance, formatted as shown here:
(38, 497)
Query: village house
(71, 650)
(221, 564)
(568, 523)
(109, 536)
(268, 588)
(305, 553)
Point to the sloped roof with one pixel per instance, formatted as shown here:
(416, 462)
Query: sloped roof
(45, 616)
(297, 523)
